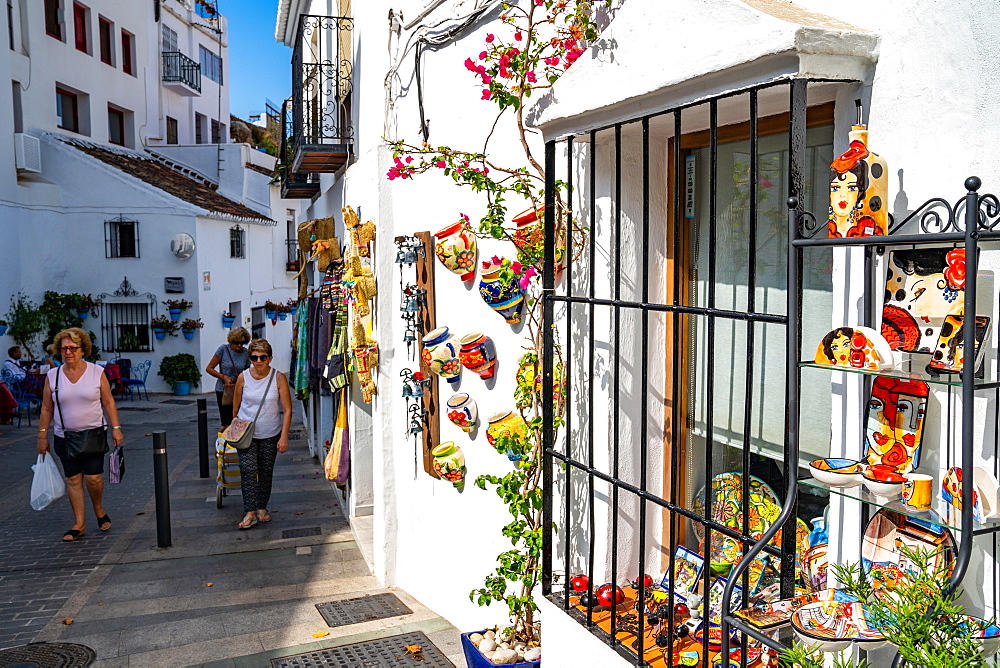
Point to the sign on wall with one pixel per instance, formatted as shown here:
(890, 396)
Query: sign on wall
(206, 280)
(173, 284)
(689, 167)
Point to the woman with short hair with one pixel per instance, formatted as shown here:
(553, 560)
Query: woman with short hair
(77, 397)
(265, 388)
(231, 358)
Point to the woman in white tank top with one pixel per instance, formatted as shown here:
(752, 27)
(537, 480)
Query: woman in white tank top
(261, 387)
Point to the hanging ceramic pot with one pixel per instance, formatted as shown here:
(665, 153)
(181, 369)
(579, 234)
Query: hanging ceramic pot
(504, 297)
(440, 354)
(478, 354)
(506, 423)
(462, 411)
(456, 249)
(449, 463)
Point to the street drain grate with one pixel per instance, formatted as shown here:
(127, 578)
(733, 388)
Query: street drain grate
(301, 533)
(65, 654)
(362, 609)
(180, 402)
(385, 652)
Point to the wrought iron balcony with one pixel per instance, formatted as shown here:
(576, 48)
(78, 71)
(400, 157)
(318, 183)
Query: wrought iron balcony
(293, 185)
(322, 66)
(181, 74)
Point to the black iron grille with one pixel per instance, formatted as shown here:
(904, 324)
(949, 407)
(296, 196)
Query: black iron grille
(362, 609)
(384, 652)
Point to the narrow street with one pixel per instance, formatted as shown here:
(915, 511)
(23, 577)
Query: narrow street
(217, 596)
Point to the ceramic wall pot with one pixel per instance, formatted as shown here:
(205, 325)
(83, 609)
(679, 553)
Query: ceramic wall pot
(449, 463)
(462, 411)
(456, 249)
(478, 354)
(859, 189)
(504, 297)
(505, 423)
(440, 354)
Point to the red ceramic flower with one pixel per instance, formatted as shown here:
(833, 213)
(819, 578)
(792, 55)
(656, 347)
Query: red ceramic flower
(954, 273)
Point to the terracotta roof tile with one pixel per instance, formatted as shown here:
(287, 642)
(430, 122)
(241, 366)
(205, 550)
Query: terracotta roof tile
(199, 193)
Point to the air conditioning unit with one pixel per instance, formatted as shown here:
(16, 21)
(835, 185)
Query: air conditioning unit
(27, 153)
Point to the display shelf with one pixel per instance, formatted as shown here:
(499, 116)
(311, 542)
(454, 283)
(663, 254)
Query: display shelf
(951, 379)
(940, 512)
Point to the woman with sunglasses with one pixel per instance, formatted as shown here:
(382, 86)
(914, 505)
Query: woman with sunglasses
(231, 360)
(84, 398)
(255, 388)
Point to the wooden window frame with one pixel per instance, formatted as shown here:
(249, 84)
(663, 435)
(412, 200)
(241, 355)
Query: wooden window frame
(81, 20)
(128, 53)
(106, 40)
(54, 19)
(76, 109)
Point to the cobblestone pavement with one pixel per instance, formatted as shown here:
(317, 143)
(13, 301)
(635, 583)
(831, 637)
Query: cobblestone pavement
(217, 595)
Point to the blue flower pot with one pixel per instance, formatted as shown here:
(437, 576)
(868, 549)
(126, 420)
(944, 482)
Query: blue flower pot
(282, 316)
(228, 322)
(3, 329)
(269, 314)
(188, 333)
(159, 333)
(294, 309)
(175, 314)
(83, 313)
(476, 660)
(182, 388)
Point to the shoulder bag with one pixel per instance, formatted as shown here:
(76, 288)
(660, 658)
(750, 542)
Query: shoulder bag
(87, 442)
(239, 433)
(229, 389)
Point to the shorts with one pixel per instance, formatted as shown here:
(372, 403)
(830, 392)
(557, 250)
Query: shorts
(85, 464)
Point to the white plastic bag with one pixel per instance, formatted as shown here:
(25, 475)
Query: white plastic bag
(47, 485)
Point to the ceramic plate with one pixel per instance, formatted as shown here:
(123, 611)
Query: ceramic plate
(854, 347)
(887, 531)
(922, 287)
(831, 622)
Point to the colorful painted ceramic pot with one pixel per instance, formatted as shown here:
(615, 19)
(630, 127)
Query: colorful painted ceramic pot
(440, 354)
(859, 190)
(478, 354)
(456, 249)
(506, 423)
(449, 463)
(462, 411)
(504, 297)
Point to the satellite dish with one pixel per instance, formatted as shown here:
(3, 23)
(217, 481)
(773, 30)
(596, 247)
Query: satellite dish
(182, 246)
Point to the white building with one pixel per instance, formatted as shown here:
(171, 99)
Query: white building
(719, 74)
(117, 142)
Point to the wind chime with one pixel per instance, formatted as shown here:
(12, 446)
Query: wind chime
(410, 249)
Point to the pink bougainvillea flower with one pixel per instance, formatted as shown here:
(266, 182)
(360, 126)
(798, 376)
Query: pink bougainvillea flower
(487, 79)
(516, 266)
(480, 70)
(487, 94)
(495, 259)
(539, 3)
(469, 65)
(518, 35)
(525, 280)
(530, 76)
(482, 55)
(409, 159)
(464, 217)
(490, 38)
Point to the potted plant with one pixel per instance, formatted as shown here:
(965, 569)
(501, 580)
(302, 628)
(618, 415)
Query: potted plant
(271, 309)
(228, 319)
(26, 321)
(175, 306)
(162, 325)
(293, 306)
(86, 306)
(283, 311)
(181, 372)
(189, 325)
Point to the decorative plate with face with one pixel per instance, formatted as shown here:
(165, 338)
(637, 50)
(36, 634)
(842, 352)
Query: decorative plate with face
(856, 347)
(893, 432)
(926, 284)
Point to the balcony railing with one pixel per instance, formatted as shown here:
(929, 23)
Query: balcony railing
(178, 69)
(322, 68)
(294, 185)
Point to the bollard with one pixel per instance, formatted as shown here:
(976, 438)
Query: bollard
(202, 438)
(161, 485)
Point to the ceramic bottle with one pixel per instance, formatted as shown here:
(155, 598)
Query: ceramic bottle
(478, 354)
(449, 463)
(456, 249)
(859, 190)
(462, 411)
(504, 297)
(440, 354)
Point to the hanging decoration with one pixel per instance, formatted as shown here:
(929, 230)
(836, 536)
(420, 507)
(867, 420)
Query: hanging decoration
(478, 354)
(440, 354)
(503, 296)
(360, 287)
(462, 411)
(456, 249)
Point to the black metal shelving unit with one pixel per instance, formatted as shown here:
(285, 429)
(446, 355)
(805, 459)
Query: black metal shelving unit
(967, 223)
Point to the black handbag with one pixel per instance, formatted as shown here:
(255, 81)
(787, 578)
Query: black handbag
(87, 442)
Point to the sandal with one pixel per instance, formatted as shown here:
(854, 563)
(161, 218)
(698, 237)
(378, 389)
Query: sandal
(101, 521)
(71, 535)
(248, 521)
(263, 515)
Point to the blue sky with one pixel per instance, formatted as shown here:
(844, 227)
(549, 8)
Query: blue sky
(259, 67)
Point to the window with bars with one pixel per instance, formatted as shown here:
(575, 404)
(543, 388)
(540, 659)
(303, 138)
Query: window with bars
(125, 327)
(237, 242)
(121, 237)
(673, 358)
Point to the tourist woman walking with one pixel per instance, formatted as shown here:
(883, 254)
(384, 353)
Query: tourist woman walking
(81, 396)
(264, 388)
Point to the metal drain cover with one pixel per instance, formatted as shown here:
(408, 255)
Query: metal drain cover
(384, 652)
(136, 408)
(180, 402)
(362, 609)
(301, 533)
(48, 654)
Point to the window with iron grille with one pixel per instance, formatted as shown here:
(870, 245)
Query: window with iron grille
(237, 242)
(667, 332)
(121, 237)
(125, 327)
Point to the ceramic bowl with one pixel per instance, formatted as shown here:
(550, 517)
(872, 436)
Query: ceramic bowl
(819, 631)
(886, 485)
(714, 636)
(987, 634)
(837, 472)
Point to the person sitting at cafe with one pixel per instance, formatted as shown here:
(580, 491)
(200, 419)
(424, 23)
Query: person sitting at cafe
(13, 363)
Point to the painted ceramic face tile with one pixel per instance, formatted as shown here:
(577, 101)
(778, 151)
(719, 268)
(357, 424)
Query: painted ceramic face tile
(896, 412)
(949, 354)
(857, 347)
(922, 287)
